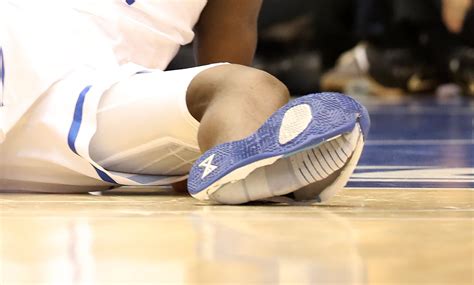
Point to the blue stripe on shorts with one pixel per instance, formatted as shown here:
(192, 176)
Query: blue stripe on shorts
(75, 127)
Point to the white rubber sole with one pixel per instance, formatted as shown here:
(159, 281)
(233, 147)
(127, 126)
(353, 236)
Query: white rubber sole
(281, 175)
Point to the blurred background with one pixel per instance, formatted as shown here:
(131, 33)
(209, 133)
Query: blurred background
(387, 48)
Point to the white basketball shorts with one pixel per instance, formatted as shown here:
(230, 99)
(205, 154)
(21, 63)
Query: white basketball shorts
(95, 130)
(61, 78)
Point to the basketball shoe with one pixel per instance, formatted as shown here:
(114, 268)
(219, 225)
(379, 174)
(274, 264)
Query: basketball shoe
(307, 151)
(386, 72)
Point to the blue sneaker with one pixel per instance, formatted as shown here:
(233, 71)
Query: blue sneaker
(307, 150)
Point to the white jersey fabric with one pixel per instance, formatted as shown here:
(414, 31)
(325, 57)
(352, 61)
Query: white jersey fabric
(43, 41)
(57, 59)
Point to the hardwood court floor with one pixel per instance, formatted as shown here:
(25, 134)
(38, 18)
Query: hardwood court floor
(408, 219)
(363, 236)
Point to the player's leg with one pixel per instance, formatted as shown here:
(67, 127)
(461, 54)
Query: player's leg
(233, 101)
(312, 143)
(148, 124)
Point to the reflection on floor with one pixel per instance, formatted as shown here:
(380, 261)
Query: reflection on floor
(361, 237)
(383, 230)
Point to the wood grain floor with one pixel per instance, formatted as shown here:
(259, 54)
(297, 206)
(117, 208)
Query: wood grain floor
(363, 236)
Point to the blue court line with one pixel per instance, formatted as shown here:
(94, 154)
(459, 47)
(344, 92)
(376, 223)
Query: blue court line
(419, 135)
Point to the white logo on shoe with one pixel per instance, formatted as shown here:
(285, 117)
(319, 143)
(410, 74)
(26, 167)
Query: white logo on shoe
(208, 166)
(295, 121)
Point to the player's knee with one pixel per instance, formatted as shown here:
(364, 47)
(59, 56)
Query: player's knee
(256, 84)
(257, 88)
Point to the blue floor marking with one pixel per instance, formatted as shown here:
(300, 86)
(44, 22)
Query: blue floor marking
(418, 143)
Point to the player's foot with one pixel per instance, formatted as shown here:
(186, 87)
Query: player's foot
(308, 148)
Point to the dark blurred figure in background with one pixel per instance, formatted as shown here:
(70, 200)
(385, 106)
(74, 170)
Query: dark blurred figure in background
(408, 47)
(391, 47)
(299, 39)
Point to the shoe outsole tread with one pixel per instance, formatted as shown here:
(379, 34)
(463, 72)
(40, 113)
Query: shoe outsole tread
(332, 115)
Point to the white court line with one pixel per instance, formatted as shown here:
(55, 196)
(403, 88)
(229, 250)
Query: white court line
(411, 179)
(421, 142)
(409, 189)
(396, 167)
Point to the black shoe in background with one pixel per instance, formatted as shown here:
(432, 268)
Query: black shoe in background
(402, 68)
(386, 72)
(461, 67)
